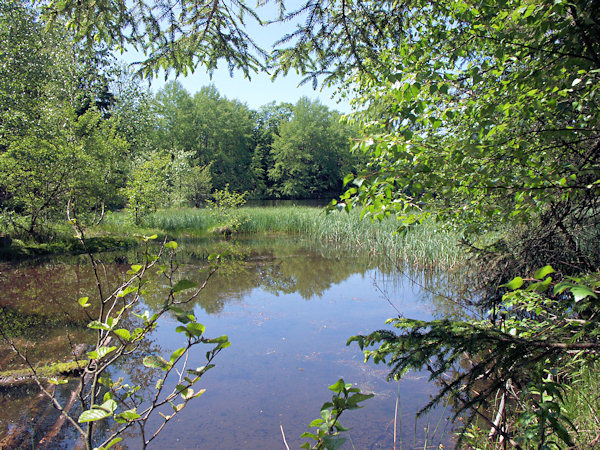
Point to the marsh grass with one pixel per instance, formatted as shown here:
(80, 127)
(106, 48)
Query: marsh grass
(582, 405)
(426, 246)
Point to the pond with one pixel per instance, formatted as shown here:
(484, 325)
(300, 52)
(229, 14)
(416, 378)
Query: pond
(288, 307)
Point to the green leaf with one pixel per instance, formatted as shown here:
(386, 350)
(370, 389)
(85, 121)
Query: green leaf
(358, 397)
(218, 340)
(98, 412)
(333, 443)
(123, 334)
(185, 318)
(97, 325)
(514, 284)
(348, 178)
(171, 244)
(129, 415)
(201, 370)
(92, 415)
(177, 353)
(307, 434)
(135, 268)
(543, 272)
(156, 362)
(182, 285)
(338, 387)
(83, 301)
(540, 286)
(111, 443)
(580, 292)
(126, 291)
(195, 329)
(101, 352)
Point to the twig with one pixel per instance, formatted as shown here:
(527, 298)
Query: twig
(498, 418)
(395, 421)
(283, 435)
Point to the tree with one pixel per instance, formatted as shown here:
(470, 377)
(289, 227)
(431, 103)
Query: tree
(175, 127)
(42, 173)
(482, 114)
(267, 120)
(178, 37)
(488, 114)
(146, 188)
(309, 152)
(227, 139)
(56, 138)
(217, 132)
(25, 71)
(108, 406)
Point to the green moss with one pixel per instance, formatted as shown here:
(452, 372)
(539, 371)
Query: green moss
(50, 370)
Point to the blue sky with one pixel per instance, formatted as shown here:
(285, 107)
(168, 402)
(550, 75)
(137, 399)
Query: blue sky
(261, 89)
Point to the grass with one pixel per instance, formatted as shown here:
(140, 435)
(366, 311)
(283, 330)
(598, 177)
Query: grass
(582, 405)
(426, 246)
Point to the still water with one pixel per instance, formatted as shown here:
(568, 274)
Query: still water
(288, 308)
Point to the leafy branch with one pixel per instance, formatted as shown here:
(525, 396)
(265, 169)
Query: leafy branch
(101, 398)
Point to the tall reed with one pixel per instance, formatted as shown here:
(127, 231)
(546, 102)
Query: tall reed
(427, 245)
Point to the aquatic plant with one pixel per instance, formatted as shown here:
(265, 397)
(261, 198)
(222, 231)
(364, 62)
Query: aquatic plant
(427, 246)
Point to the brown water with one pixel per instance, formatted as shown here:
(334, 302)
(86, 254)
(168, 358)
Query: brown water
(288, 309)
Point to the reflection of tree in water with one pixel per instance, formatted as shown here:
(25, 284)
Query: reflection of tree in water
(309, 275)
(448, 294)
(53, 288)
(279, 266)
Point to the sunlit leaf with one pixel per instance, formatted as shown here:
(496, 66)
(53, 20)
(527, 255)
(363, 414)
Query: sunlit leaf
(97, 325)
(177, 353)
(543, 272)
(101, 352)
(171, 245)
(514, 284)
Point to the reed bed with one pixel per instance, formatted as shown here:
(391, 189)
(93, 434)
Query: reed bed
(426, 246)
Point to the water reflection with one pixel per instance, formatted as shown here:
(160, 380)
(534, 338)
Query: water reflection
(288, 307)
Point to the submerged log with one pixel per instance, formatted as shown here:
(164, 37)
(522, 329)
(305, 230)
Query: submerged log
(17, 377)
(23, 376)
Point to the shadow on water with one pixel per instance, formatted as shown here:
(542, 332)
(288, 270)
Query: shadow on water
(288, 307)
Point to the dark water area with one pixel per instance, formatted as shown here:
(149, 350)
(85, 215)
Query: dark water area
(288, 308)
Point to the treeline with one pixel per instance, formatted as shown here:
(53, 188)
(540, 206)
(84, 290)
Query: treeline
(76, 127)
(279, 151)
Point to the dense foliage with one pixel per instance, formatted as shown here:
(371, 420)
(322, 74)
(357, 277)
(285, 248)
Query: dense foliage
(75, 126)
(488, 114)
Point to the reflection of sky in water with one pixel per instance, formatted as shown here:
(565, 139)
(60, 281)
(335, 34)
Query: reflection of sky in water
(288, 313)
(285, 351)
